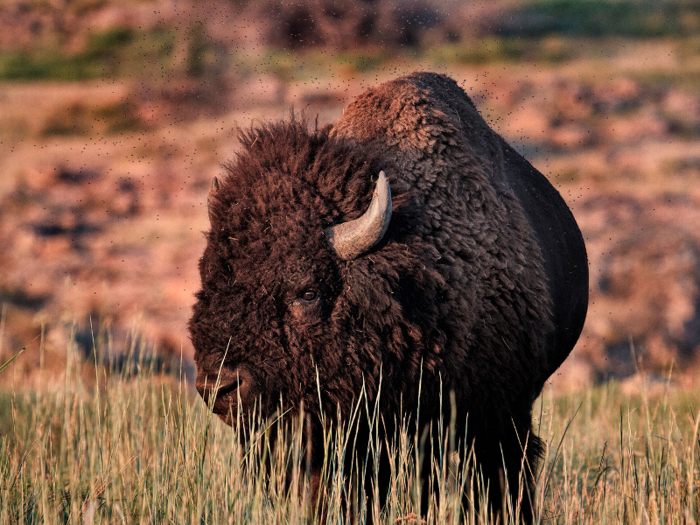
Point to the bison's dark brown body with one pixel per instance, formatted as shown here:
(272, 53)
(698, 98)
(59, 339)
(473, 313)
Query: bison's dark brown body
(480, 283)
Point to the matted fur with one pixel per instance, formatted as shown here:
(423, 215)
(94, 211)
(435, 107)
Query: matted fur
(459, 290)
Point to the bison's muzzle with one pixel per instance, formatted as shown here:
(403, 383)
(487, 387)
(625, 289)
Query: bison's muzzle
(225, 390)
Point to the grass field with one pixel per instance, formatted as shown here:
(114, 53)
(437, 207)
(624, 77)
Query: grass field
(143, 448)
(109, 136)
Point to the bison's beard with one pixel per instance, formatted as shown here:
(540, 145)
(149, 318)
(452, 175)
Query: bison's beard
(310, 449)
(328, 441)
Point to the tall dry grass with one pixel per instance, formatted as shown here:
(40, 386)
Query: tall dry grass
(141, 447)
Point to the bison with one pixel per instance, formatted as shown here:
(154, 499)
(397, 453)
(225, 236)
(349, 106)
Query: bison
(406, 243)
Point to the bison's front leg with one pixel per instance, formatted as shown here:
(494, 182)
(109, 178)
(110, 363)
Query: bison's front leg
(508, 466)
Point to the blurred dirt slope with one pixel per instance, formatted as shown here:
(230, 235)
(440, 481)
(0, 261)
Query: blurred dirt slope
(115, 116)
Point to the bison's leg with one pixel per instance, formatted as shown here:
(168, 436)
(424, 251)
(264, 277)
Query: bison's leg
(520, 461)
(508, 466)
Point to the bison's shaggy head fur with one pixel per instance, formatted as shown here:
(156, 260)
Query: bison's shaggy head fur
(281, 310)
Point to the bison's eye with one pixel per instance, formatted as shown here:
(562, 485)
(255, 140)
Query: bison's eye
(309, 296)
(310, 304)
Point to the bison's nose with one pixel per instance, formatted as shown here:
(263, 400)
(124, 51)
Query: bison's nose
(232, 384)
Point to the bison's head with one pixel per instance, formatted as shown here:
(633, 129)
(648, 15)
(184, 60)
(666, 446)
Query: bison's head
(306, 296)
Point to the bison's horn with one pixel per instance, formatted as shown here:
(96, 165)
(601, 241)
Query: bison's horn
(212, 191)
(353, 238)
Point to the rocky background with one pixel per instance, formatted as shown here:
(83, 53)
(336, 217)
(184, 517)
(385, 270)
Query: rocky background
(115, 116)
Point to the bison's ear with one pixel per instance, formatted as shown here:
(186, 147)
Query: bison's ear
(212, 192)
(353, 238)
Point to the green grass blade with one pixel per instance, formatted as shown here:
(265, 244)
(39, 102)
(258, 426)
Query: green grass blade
(9, 361)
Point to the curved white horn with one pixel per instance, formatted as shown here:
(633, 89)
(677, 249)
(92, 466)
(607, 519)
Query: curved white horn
(353, 238)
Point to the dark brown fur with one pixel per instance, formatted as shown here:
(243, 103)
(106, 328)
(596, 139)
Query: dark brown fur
(468, 287)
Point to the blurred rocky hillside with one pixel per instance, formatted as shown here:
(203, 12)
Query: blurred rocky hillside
(115, 116)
